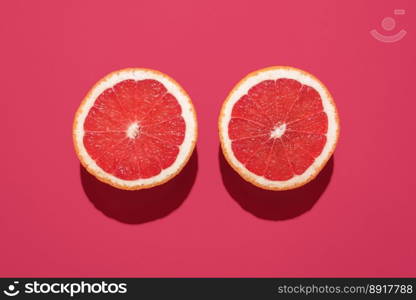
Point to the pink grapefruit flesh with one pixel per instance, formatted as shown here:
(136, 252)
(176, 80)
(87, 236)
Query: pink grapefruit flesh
(274, 127)
(290, 110)
(134, 129)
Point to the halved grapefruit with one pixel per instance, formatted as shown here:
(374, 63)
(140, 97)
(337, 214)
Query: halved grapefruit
(278, 127)
(136, 128)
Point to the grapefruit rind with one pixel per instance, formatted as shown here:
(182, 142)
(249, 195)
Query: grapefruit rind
(185, 149)
(241, 89)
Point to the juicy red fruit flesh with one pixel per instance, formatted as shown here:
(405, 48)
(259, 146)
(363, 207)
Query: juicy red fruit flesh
(278, 128)
(134, 129)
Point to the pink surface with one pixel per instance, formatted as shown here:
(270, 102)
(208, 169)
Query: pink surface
(356, 219)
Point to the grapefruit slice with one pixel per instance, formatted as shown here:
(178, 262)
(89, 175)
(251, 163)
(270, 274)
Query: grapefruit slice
(278, 127)
(136, 128)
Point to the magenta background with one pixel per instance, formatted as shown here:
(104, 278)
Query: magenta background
(363, 224)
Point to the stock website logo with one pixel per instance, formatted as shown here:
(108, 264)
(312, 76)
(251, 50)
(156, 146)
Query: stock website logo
(65, 288)
(11, 289)
(388, 24)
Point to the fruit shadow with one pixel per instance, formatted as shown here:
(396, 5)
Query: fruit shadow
(141, 206)
(274, 205)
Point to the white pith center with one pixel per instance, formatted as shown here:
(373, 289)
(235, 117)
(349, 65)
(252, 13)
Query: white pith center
(133, 130)
(278, 131)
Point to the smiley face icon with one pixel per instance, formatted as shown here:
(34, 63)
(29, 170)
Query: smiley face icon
(11, 289)
(388, 24)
